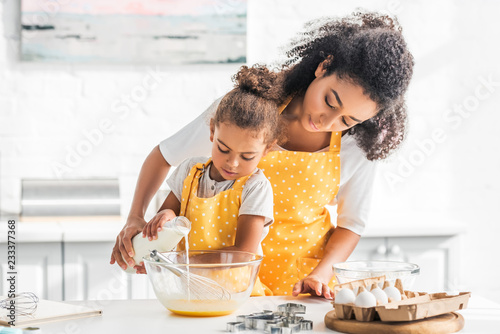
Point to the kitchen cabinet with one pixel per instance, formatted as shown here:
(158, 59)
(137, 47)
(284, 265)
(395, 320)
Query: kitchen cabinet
(39, 269)
(60, 261)
(72, 271)
(438, 258)
(141, 288)
(89, 276)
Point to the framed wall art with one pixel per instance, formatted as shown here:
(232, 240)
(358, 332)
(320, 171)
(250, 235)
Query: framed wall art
(134, 31)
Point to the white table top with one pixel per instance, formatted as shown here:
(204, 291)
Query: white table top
(149, 316)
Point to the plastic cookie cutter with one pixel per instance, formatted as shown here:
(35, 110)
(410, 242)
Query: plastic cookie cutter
(284, 321)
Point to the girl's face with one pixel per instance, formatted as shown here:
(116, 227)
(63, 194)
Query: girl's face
(333, 104)
(236, 152)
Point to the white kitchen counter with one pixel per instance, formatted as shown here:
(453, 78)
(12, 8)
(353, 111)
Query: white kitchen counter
(88, 230)
(149, 316)
(67, 231)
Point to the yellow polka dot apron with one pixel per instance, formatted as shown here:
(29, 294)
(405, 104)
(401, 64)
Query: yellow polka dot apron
(213, 225)
(303, 183)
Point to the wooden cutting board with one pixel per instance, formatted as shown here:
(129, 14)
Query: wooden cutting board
(441, 324)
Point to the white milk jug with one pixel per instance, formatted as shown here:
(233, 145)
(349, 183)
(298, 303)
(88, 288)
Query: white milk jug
(168, 238)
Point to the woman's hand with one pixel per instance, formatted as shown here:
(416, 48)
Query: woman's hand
(153, 172)
(156, 224)
(150, 231)
(338, 248)
(313, 284)
(123, 251)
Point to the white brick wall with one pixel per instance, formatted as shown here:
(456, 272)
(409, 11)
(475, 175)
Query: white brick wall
(45, 111)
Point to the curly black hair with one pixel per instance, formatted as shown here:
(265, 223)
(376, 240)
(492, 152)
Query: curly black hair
(253, 103)
(369, 49)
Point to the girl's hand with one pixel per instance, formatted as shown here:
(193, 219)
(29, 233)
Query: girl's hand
(151, 230)
(314, 285)
(156, 224)
(140, 268)
(123, 251)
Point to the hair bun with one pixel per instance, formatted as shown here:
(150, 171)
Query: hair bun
(260, 81)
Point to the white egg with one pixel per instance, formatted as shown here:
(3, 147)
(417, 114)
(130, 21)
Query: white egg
(345, 296)
(393, 293)
(365, 299)
(380, 295)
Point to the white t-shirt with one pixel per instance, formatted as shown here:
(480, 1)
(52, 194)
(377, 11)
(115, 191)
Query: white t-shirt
(357, 174)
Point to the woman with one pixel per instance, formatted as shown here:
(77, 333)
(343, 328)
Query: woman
(343, 87)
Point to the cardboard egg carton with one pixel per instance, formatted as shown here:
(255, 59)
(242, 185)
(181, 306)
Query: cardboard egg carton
(365, 283)
(421, 307)
(413, 305)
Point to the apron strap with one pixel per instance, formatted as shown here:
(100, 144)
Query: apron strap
(190, 184)
(335, 141)
(240, 183)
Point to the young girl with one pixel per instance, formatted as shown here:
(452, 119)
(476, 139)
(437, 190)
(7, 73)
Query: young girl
(227, 198)
(342, 103)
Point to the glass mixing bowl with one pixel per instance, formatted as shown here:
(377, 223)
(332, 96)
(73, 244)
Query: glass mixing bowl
(217, 282)
(355, 270)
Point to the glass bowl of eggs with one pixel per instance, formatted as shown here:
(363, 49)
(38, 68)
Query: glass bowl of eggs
(356, 270)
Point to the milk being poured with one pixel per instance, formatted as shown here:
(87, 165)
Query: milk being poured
(186, 241)
(168, 238)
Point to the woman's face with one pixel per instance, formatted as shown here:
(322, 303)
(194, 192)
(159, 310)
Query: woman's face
(334, 104)
(236, 152)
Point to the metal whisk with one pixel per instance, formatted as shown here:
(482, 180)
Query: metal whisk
(23, 303)
(198, 287)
